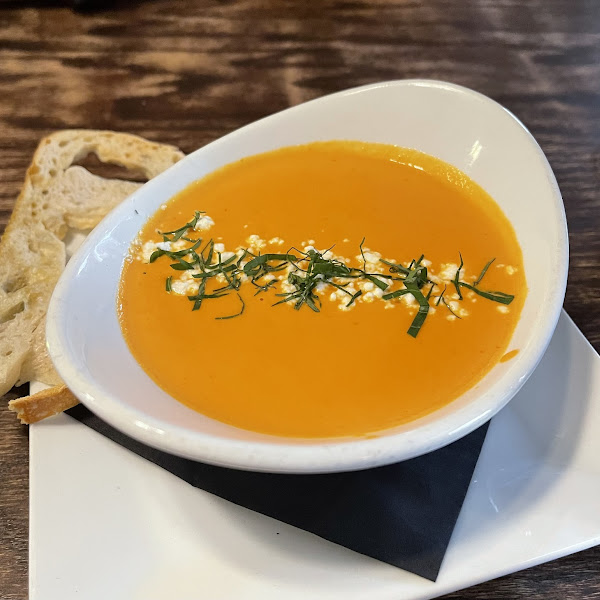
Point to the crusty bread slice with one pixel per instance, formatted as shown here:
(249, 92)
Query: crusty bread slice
(55, 198)
(46, 403)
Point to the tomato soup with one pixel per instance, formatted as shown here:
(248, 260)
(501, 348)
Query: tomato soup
(326, 290)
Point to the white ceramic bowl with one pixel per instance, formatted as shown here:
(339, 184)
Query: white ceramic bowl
(455, 124)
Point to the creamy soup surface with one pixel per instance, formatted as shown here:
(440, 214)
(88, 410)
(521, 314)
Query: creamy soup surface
(338, 356)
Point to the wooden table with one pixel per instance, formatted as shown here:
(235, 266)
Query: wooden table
(188, 72)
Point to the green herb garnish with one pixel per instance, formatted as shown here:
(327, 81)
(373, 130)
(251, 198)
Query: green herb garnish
(483, 272)
(179, 233)
(380, 284)
(500, 297)
(239, 314)
(415, 278)
(307, 272)
(441, 296)
(456, 280)
(354, 297)
(259, 266)
(449, 308)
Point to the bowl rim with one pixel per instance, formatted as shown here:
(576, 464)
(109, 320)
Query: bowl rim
(320, 456)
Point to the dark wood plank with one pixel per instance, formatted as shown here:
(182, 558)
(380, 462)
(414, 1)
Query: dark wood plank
(14, 499)
(187, 72)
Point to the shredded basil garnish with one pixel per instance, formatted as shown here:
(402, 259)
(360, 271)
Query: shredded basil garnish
(307, 273)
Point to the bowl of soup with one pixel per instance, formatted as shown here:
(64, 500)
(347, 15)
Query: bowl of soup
(351, 282)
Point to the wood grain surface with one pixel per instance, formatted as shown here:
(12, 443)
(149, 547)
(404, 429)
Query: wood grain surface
(188, 72)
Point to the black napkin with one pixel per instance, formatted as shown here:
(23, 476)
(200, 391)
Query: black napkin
(402, 514)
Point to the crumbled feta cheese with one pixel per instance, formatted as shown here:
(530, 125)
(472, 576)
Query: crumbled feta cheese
(180, 287)
(186, 284)
(408, 299)
(188, 275)
(204, 223)
(448, 271)
(146, 251)
(370, 256)
(255, 242)
(287, 287)
(178, 245)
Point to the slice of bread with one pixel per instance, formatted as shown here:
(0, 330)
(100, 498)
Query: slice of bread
(57, 197)
(49, 402)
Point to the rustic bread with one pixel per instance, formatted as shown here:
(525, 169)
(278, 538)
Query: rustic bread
(49, 402)
(57, 197)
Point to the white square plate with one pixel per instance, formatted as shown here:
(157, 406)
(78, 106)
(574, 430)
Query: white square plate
(107, 524)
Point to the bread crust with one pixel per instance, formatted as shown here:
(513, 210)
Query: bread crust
(46, 403)
(57, 196)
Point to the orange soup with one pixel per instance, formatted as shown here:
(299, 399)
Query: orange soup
(326, 290)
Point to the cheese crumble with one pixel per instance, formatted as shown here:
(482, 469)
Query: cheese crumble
(359, 290)
(204, 223)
